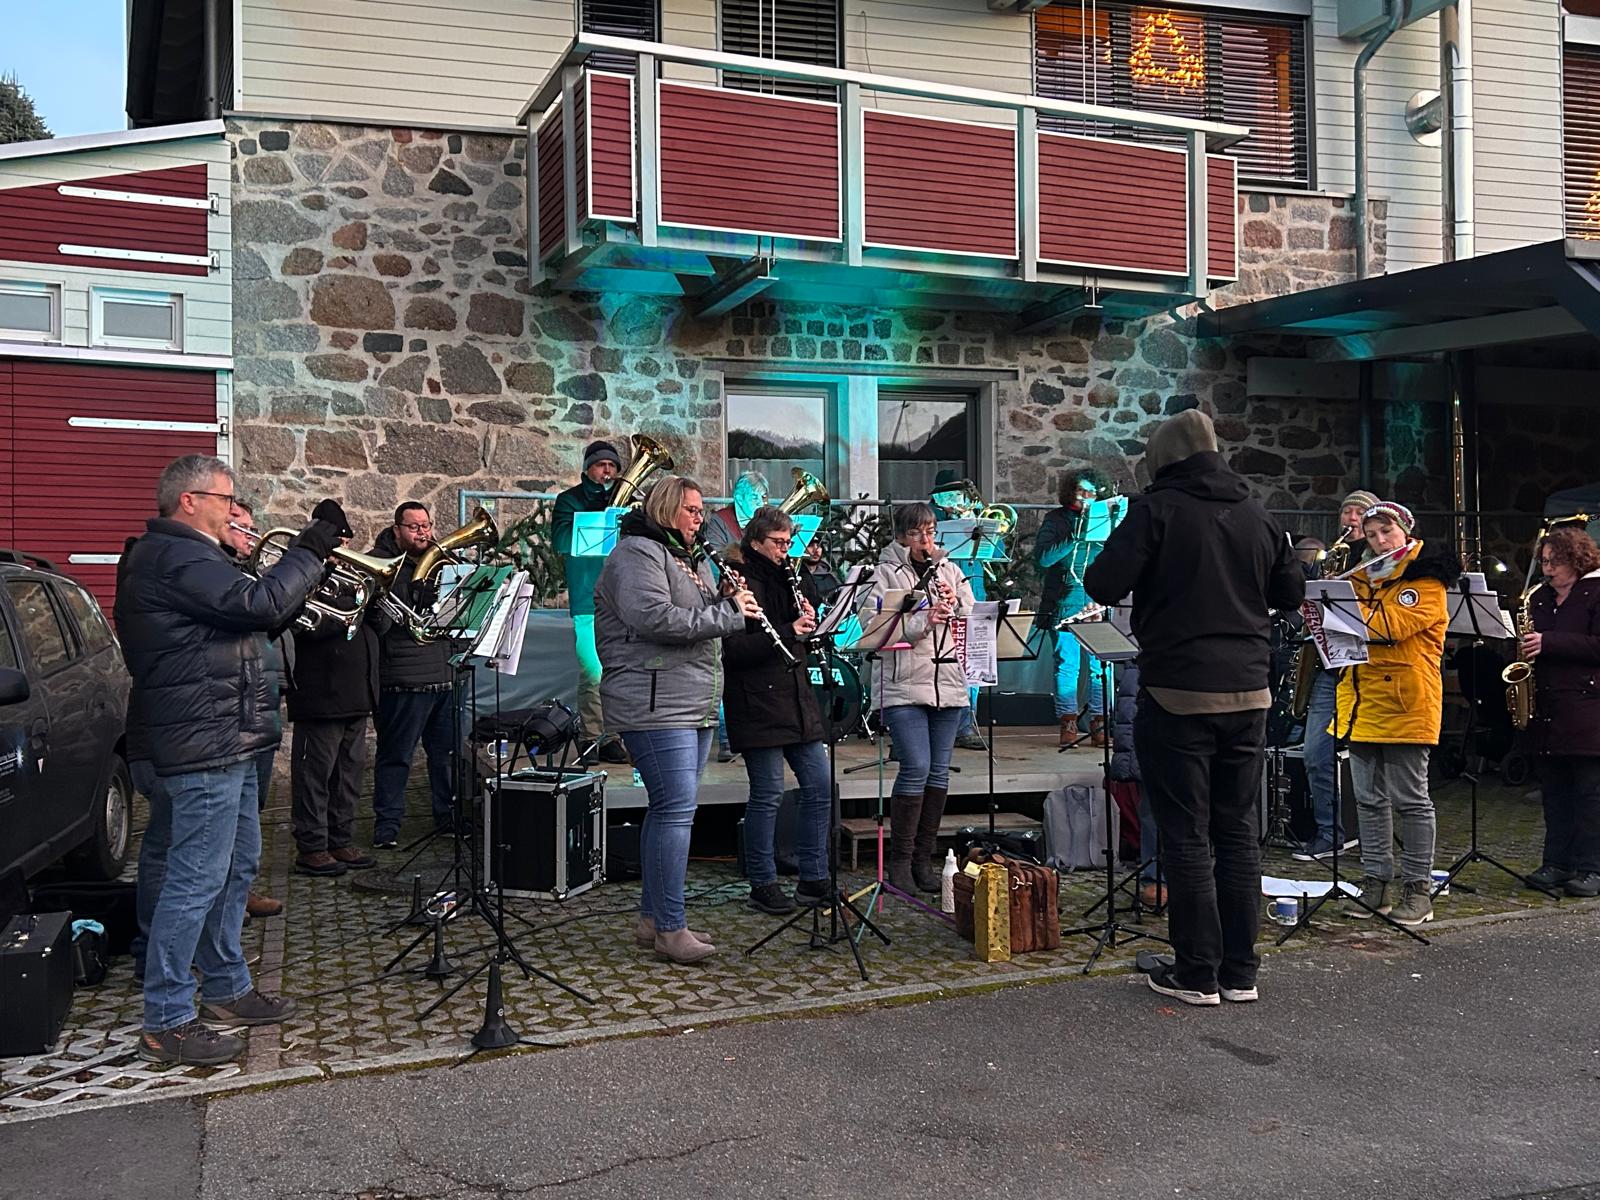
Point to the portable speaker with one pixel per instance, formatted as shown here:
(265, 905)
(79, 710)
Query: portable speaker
(35, 982)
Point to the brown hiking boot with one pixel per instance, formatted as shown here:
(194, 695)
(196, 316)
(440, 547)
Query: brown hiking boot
(1097, 731)
(319, 863)
(189, 1045)
(262, 906)
(252, 1008)
(1069, 730)
(353, 859)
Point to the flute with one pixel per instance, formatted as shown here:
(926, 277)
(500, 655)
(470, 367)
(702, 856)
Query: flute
(739, 584)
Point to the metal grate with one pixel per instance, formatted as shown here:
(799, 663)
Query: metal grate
(1249, 70)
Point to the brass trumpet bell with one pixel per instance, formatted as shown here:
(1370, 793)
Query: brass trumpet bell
(478, 532)
(648, 456)
(808, 490)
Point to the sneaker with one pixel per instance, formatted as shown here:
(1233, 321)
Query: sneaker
(971, 740)
(1550, 877)
(1586, 884)
(386, 840)
(771, 898)
(1240, 995)
(612, 750)
(724, 755)
(1161, 980)
(1374, 895)
(252, 1008)
(812, 892)
(1313, 851)
(319, 863)
(1416, 903)
(191, 1045)
(353, 859)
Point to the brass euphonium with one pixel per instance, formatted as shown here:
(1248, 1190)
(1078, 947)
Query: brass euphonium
(648, 456)
(480, 532)
(1003, 514)
(1518, 676)
(808, 490)
(429, 615)
(354, 581)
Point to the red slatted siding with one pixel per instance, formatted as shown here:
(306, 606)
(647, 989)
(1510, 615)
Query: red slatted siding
(940, 185)
(749, 163)
(1222, 216)
(83, 491)
(6, 491)
(580, 157)
(611, 146)
(552, 187)
(35, 220)
(1109, 204)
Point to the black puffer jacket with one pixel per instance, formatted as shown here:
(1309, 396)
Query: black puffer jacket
(1124, 761)
(767, 702)
(334, 678)
(187, 618)
(1205, 563)
(404, 664)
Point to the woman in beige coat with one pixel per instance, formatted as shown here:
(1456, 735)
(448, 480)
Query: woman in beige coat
(921, 687)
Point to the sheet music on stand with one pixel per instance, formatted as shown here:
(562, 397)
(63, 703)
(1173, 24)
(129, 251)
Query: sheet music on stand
(805, 528)
(1102, 516)
(1335, 624)
(594, 534)
(501, 640)
(840, 609)
(981, 657)
(1475, 610)
(966, 539)
(893, 607)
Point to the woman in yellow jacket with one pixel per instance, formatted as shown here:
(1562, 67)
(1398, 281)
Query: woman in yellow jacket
(1390, 709)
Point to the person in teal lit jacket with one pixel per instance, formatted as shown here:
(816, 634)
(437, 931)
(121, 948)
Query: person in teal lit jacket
(1063, 554)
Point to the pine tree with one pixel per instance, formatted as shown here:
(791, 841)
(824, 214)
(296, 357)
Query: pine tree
(18, 120)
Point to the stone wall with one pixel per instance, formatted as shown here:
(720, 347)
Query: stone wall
(388, 344)
(1293, 242)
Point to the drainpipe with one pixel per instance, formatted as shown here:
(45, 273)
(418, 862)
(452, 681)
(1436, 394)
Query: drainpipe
(210, 99)
(1393, 11)
(1455, 85)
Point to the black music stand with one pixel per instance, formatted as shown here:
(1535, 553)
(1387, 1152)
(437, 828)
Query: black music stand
(1010, 646)
(1477, 615)
(1102, 640)
(839, 904)
(1350, 608)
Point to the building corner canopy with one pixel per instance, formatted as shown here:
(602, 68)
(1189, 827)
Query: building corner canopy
(1551, 289)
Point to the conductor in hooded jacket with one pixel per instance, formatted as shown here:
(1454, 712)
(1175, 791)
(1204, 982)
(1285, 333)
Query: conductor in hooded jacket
(1206, 565)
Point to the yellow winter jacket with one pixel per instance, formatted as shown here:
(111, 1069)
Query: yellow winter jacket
(1397, 696)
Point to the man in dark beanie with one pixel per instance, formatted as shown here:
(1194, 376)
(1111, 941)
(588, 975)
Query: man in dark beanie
(601, 466)
(1205, 564)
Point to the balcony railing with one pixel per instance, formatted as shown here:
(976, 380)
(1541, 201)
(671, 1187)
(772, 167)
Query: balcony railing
(646, 175)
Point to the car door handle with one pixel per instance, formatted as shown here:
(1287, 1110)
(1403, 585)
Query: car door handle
(39, 731)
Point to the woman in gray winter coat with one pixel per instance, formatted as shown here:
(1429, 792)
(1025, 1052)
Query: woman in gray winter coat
(658, 617)
(922, 688)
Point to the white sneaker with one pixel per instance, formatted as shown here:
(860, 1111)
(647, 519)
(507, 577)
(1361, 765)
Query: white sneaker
(1161, 981)
(1240, 995)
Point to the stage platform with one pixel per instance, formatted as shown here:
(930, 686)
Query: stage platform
(1027, 761)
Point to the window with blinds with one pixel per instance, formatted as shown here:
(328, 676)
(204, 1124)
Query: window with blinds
(621, 18)
(798, 31)
(1580, 134)
(1225, 66)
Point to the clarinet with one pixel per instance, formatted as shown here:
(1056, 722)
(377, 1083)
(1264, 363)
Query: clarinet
(767, 627)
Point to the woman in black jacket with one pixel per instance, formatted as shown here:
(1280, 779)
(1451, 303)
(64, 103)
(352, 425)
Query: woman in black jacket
(773, 717)
(1565, 731)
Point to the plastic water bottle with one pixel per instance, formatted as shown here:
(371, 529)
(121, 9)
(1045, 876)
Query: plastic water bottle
(947, 883)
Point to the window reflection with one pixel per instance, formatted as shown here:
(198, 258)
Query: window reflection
(770, 432)
(920, 436)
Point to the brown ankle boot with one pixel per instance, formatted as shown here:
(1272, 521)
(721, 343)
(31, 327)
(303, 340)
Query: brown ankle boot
(1069, 730)
(904, 812)
(922, 868)
(1097, 731)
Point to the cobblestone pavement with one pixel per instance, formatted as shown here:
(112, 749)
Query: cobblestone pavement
(361, 1002)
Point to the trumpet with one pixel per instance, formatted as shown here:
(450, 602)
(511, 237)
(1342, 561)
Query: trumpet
(736, 580)
(349, 586)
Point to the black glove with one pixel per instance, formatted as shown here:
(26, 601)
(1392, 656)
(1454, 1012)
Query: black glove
(319, 537)
(329, 510)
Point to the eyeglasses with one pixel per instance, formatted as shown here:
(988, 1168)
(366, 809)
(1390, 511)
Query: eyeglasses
(782, 543)
(228, 496)
(419, 528)
(694, 510)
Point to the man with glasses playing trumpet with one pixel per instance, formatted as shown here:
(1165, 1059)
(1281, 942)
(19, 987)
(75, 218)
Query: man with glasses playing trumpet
(188, 620)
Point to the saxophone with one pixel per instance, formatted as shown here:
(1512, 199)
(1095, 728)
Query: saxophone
(1518, 676)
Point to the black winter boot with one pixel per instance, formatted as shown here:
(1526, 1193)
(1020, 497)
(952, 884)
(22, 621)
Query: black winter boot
(922, 867)
(903, 813)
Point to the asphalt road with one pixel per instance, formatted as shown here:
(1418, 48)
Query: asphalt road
(1469, 1070)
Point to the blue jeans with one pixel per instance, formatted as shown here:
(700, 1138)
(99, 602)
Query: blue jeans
(1069, 655)
(405, 718)
(764, 767)
(214, 852)
(923, 738)
(670, 761)
(1321, 763)
(152, 856)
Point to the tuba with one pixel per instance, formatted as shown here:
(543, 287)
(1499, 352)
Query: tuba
(1518, 676)
(1003, 514)
(808, 490)
(648, 456)
(354, 581)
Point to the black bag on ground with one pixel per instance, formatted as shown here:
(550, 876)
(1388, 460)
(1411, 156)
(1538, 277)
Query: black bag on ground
(113, 904)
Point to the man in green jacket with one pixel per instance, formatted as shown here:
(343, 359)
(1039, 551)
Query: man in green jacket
(601, 466)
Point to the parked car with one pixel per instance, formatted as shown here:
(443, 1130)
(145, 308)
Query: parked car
(64, 784)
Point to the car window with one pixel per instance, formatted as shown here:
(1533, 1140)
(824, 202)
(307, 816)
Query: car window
(86, 611)
(40, 624)
(8, 652)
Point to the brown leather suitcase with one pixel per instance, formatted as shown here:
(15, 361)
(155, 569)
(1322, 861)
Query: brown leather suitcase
(1035, 903)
